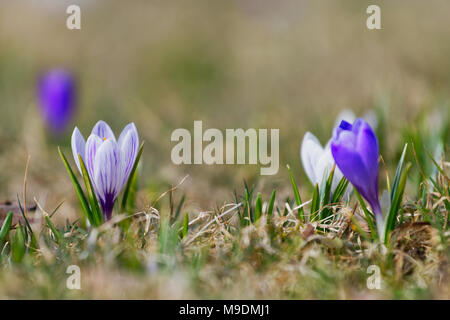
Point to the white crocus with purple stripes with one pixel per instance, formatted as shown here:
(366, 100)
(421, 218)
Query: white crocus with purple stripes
(108, 162)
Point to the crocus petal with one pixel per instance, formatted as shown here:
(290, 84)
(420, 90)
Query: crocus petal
(310, 151)
(351, 164)
(103, 130)
(323, 165)
(92, 145)
(367, 146)
(107, 168)
(129, 145)
(128, 127)
(355, 150)
(107, 174)
(78, 146)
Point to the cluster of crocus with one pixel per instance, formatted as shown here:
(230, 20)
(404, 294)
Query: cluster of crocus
(354, 150)
(108, 162)
(56, 96)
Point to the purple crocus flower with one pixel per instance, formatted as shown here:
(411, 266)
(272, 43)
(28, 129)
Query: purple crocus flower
(56, 95)
(355, 151)
(107, 161)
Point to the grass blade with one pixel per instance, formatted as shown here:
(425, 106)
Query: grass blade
(271, 204)
(78, 190)
(258, 207)
(340, 190)
(179, 207)
(395, 203)
(298, 199)
(438, 167)
(128, 187)
(315, 204)
(18, 248)
(97, 214)
(6, 226)
(369, 216)
(325, 197)
(185, 226)
(398, 172)
(52, 227)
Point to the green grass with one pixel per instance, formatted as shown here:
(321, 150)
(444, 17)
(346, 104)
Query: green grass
(249, 249)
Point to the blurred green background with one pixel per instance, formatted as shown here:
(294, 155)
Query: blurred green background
(292, 65)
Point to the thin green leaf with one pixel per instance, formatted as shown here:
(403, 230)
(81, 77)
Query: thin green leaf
(6, 226)
(271, 204)
(79, 191)
(18, 245)
(325, 197)
(52, 227)
(315, 203)
(368, 214)
(398, 172)
(340, 190)
(298, 199)
(56, 209)
(185, 225)
(27, 224)
(129, 184)
(395, 203)
(248, 195)
(95, 206)
(438, 167)
(258, 207)
(179, 207)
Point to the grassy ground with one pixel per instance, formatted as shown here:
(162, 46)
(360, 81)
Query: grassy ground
(236, 251)
(251, 64)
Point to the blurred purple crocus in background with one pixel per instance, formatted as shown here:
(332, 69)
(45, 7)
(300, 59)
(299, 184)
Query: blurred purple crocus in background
(56, 95)
(108, 162)
(355, 151)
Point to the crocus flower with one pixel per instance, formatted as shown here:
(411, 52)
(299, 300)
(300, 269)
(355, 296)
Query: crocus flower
(56, 97)
(355, 150)
(108, 162)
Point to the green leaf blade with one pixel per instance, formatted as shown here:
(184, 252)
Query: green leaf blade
(133, 176)
(78, 190)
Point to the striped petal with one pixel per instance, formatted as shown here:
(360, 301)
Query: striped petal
(129, 127)
(92, 145)
(78, 146)
(107, 171)
(129, 146)
(103, 130)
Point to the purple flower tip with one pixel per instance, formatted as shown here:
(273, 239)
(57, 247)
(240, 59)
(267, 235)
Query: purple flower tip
(355, 151)
(56, 97)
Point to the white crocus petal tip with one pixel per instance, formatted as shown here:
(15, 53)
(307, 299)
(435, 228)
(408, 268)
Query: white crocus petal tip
(78, 146)
(129, 146)
(103, 130)
(311, 150)
(129, 127)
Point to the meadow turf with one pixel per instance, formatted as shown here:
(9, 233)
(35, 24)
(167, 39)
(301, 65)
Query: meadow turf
(205, 232)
